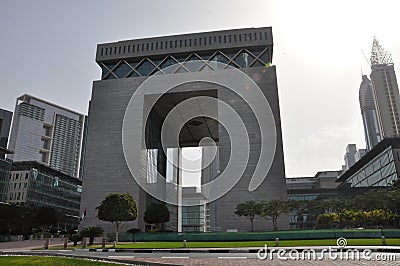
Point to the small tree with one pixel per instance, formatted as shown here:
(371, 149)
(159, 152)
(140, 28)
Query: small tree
(156, 214)
(273, 209)
(249, 209)
(92, 232)
(117, 208)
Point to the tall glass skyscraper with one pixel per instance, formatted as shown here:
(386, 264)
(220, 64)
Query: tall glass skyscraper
(368, 111)
(385, 90)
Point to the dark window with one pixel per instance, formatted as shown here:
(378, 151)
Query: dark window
(265, 34)
(115, 50)
(185, 43)
(255, 36)
(26, 176)
(147, 46)
(129, 48)
(220, 39)
(234, 38)
(124, 48)
(230, 38)
(215, 39)
(106, 51)
(249, 36)
(101, 53)
(180, 43)
(176, 44)
(152, 46)
(142, 47)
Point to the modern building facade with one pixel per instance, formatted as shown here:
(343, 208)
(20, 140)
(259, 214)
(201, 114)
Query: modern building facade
(5, 171)
(5, 164)
(47, 133)
(303, 189)
(185, 67)
(378, 168)
(5, 125)
(386, 91)
(35, 184)
(368, 112)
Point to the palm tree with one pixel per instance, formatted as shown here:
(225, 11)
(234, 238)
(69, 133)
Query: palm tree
(92, 232)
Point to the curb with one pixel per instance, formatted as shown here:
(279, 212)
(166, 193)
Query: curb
(393, 249)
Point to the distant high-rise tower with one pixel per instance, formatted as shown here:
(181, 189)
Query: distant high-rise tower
(386, 91)
(47, 133)
(368, 112)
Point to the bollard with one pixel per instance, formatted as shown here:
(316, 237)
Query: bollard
(114, 244)
(84, 242)
(277, 242)
(47, 243)
(62, 237)
(66, 243)
(184, 243)
(103, 242)
(31, 237)
(383, 241)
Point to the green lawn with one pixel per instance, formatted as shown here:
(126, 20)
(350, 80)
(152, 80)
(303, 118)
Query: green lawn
(48, 261)
(282, 243)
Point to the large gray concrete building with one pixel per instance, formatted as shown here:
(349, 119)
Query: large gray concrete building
(216, 91)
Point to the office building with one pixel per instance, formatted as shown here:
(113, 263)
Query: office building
(368, 112)
(223, 67)
(5, 125)
(35, 184)
(5, 164)
(5, 171)
(303, 189)
(386, 91)
(352, 155)
(46, 133)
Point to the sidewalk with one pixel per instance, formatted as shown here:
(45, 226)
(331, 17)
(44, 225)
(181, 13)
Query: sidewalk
(27, 244)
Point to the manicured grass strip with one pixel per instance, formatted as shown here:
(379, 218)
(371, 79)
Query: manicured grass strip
(48, 261)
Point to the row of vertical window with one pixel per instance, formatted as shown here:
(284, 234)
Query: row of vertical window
(17, 185)
(231, 38)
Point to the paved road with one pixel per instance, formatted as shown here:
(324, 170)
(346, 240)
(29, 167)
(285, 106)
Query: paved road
(205, 258)
(228, 259)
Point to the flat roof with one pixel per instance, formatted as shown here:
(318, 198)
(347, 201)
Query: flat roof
(27, 97)
(28, 165)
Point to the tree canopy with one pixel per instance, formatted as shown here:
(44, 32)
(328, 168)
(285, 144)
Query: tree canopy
(156, 213)
(117, 208)
(249, 209)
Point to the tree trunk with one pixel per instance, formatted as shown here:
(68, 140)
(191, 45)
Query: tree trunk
(252, 225)
(274, 223)
(116, 231)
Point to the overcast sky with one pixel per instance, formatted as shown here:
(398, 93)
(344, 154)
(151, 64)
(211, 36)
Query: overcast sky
(47, 49)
